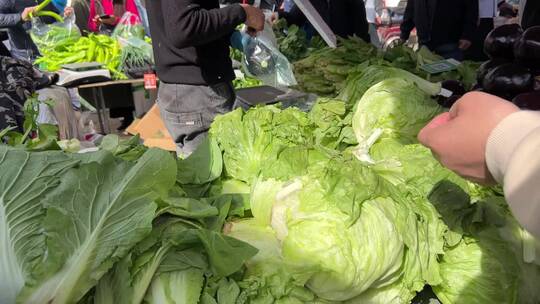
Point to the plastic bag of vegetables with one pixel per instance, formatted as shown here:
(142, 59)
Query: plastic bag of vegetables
(137, 57)
(263, 60)
(49, 36)
(129, 26)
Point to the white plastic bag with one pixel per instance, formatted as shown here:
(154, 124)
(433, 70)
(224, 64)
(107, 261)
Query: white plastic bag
(129, 26)
(48, 36)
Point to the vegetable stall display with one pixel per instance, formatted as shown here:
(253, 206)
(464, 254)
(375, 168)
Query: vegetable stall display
(94, 48)
(340, 204)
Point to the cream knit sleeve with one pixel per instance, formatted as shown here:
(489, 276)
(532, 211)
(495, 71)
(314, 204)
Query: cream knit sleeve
(513, 158)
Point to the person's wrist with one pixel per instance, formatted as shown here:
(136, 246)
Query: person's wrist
(505, 138)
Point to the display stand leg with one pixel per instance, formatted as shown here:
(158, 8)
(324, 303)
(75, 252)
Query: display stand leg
(103, 107)
(95, 93)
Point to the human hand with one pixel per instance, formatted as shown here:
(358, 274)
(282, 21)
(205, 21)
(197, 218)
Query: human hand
(458, 138)
(274, 17)
(464, 44)
(68, 11)
(27, 12)
(109, 20)
(254, 18)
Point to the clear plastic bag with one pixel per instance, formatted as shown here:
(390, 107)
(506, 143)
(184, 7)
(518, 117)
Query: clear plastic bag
(137, 57)
(263, 60)
(50, 36)
(129, 26)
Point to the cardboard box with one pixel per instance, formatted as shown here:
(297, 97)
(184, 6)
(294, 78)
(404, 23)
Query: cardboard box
(152, 130)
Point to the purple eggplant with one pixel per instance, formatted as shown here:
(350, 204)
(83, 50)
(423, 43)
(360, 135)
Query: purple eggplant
(448, 102)
(488, 66)
(500, 41)
(455, 86)
(528, 101)
(527, 49)
(457, 89)
(508, 80)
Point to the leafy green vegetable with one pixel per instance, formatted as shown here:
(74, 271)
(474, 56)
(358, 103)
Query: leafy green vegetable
(333, 124)
(26, 177)
(94, 217)
(203, 166)
(293, 43)
(177, 287)
(130, 149)
(246, 82)
(324, 72)
(35, 137)
(397, 109)
(319, 246)
(483, 271)
(365, 76)
(253, 141)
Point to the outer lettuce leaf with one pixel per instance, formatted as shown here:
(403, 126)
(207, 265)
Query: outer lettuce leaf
(491, 241)
(317, 237)
(483, 270)
(130, 150)
(333, 121)
(395, 106)
(268, 279)
(177, 287)
(254, 139)
(263, 196)
(392, 294)
(96, 215)
(203, 166)
(25, 179)
(360, 80)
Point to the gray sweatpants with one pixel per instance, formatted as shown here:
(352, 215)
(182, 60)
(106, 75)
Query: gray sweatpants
(189, 110)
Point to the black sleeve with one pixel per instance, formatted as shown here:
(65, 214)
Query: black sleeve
(294, 16)
(361, 27)
(470, 19)
(408, 21)
(187, 24)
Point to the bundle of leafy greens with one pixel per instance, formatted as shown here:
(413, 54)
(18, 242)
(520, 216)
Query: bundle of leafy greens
(100, 228)
(403, 57)
(294, 44)
(324, 71)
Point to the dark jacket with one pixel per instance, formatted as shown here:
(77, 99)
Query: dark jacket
(531, 14)
(264, 4)
(345, 17)
(3, 49)
(191, 40)
(19, 80)
(10, 18)
(440, 22)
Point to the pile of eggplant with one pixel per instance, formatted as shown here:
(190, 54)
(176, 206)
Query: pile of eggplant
(514, 67)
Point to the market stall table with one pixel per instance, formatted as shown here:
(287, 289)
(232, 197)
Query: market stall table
(97, 90)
